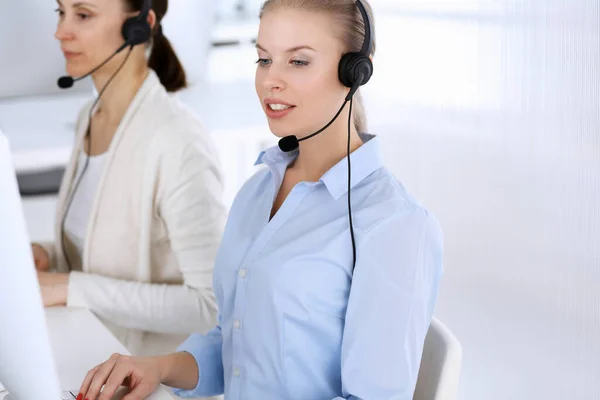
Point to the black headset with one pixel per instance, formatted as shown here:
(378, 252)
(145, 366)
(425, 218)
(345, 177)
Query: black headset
(136, 30)
(355, 69)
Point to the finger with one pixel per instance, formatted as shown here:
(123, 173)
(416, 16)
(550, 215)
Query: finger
(100, 378)
(115, 380)
(41, 264)
(141, 391)
(85, 385)
(36, 254)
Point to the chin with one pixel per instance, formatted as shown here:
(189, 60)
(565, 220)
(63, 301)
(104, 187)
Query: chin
(74, 68)
(73, 71)
(280, 129)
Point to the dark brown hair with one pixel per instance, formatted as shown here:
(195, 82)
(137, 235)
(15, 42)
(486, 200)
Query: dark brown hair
(163, 59)
(352, 34)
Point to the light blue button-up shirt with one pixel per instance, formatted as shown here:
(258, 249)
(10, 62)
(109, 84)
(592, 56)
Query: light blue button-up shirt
(294, 321)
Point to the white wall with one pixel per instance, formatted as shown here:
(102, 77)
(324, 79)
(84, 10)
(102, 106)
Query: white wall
(189, 25)
(494, 124)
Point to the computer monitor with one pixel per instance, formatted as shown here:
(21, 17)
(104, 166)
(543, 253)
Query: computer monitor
(27, 367)
(30, 57)
(31, 60)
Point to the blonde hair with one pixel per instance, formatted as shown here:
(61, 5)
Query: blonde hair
(352, 30)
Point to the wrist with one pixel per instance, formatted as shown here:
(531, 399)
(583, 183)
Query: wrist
(178, 370)
(63, 278)
(164, 365)
(63, 295)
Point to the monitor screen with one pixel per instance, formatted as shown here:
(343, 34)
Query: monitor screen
(30, 57)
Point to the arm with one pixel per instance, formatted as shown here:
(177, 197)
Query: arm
(141, 374)
(206, 351)
(163, 308)
(393, 294)
(194, 216)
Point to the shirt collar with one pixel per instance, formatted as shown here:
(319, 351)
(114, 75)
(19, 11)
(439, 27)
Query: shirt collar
(364, 161)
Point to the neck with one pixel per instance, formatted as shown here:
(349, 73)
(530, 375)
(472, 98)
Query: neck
(319, 154)
(122, 89)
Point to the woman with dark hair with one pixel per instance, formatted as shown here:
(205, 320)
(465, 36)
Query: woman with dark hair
(139, 214)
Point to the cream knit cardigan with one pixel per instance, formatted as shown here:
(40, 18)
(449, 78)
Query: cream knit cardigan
(154, 229)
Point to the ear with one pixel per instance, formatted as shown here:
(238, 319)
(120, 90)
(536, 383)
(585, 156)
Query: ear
(152, 19)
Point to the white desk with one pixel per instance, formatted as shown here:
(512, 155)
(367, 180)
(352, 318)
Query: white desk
(79, 343)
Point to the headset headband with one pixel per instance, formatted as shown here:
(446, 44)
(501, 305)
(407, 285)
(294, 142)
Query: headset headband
(368, 43)
(146, 6)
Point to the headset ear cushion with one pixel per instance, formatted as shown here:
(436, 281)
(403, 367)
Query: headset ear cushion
(136, 31)
(352, 65)
(345, 72)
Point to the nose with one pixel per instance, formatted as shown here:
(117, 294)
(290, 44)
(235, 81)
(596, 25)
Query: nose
(274, 80)
(64, 31)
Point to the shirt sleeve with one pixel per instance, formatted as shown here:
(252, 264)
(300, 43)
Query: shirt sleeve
(153, 307)
(206, 350)
(392, 298)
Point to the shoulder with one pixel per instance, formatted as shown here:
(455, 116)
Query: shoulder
(404, 242)
(175, 144)
(387, 207)
(174, 134)
(177, 126)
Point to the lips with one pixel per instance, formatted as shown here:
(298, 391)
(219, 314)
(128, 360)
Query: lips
(276, 108)
(279, 112)
(70, 54)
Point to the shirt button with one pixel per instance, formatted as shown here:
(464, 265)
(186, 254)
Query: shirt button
(242, 273)
(236, 324)
(236, 372)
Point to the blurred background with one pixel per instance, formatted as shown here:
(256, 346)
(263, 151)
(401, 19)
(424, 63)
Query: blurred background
(489, 111)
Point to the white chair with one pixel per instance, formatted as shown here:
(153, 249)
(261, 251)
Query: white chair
(440, 365)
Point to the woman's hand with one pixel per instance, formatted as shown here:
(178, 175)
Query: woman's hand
(141, 374)
(40, 257)
(54, 288)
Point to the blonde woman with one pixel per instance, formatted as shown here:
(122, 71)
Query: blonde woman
(299, 316)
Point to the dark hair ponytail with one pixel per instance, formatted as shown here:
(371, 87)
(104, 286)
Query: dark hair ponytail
(165, 63)
(163, 59)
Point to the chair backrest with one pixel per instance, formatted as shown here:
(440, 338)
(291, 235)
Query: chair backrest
(440, 365)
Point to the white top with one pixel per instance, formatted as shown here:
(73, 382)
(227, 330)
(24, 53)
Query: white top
(83, 198)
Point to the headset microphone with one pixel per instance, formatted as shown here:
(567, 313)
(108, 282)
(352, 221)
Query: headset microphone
(290, 143)
(65, 82)
(135, 30)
